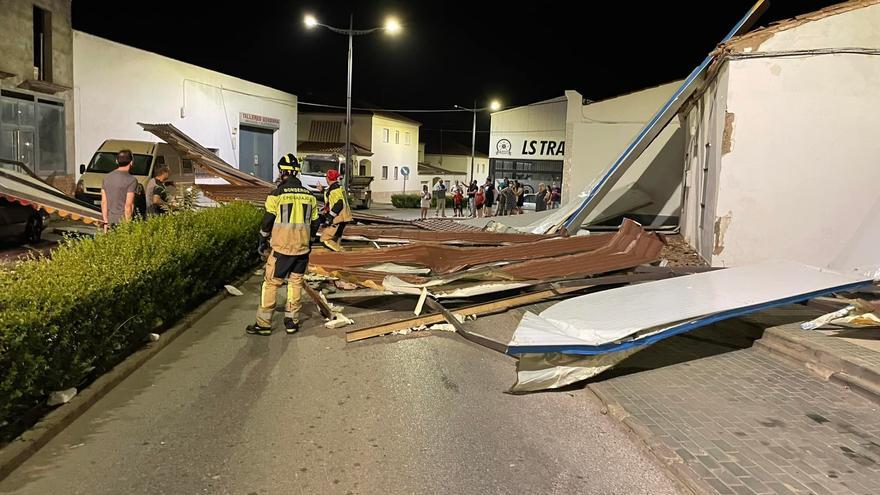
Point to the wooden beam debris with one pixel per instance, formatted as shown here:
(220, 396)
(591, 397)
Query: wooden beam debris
(485, 308)
(326, 312)
(541, 292)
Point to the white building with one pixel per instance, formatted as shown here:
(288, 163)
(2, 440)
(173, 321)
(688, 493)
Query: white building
(383, 144)
(450, 164)
(570, 142)
(117, 86)
(598, 132)
(783, 147)
(36, 87)
(528, 143)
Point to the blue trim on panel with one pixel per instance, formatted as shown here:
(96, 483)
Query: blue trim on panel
(588, 350)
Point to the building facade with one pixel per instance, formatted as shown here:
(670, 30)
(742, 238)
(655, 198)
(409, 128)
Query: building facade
(248, 125)
(598, 133)
(36, 87)
(385, 146)
(782, 147)
(528, 143)
(570, 142)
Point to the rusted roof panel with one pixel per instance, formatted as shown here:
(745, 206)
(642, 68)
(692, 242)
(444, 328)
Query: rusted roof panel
(201, 156)
(444, 226)
(629, 247)
(442, 259)
(478, 237)
(226, 193)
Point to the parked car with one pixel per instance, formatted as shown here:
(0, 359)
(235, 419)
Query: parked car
(17, 219)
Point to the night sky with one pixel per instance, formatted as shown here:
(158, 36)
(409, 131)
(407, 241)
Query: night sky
(450, 52)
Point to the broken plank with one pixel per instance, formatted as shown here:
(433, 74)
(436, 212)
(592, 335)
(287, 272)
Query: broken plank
(326, 312)
(485, 308)
(464, 332)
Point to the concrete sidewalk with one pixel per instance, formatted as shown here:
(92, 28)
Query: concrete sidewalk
(219, 411)
(745, 422)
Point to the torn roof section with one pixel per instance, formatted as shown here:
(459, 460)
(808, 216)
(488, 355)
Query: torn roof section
(473, 268)
(815, 31)
(20, 185)
(203, 157)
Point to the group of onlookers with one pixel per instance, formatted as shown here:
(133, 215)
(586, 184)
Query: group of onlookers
(486, 200)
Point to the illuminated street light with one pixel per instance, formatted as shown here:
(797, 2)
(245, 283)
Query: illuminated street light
(494, 106)
(392, 26)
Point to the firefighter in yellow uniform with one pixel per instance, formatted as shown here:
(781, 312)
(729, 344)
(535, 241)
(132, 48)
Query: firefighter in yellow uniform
(338, 212)
(289, 224)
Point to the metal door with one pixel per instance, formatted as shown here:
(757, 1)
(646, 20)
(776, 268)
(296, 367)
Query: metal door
(255, 152)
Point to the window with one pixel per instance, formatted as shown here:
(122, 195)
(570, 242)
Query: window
(395, 173)
(187, 166)
(42, 44)
(384, 172)
(32, 131)
(396, 137)
(385, 134)
(407, 139)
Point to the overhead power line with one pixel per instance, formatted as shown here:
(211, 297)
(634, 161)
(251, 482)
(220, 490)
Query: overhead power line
(398, 110)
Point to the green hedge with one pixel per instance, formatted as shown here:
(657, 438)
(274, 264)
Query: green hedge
(77, 314)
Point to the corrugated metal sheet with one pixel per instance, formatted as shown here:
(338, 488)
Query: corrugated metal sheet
(442, 259)
(477, 237)
(19, 185)
(444, 226)
(203, 157)
(325, 131)
(629, 247)
(331, 147)
(227, 193)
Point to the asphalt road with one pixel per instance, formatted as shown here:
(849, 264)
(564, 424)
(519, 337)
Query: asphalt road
(219, 411)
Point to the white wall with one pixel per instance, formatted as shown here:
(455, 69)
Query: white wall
(117, 86)
(597, 134)
(803, 171)
(461, 164)
(542, 121)
(392, 155)
(798, 170)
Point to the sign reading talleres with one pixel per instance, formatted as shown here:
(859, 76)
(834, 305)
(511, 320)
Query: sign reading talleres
(531, 147)
(259, 120)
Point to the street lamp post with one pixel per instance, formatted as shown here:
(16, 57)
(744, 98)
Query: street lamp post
(494, 106)
(392, 26)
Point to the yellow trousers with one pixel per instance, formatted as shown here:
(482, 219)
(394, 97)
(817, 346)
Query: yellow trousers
(278, 269)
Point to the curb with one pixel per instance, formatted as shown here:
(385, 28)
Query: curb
(676, 467)
(28, 443)
(828, 364)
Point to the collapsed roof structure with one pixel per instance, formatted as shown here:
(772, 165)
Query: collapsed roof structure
(20, 185)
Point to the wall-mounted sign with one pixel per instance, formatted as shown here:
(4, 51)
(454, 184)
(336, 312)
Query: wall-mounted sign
(544, 147)
(259, 120)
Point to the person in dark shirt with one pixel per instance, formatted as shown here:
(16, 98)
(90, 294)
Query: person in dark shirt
(490, 197)
(157, 191)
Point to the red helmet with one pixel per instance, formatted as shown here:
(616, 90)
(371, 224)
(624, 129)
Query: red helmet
(332, 175)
